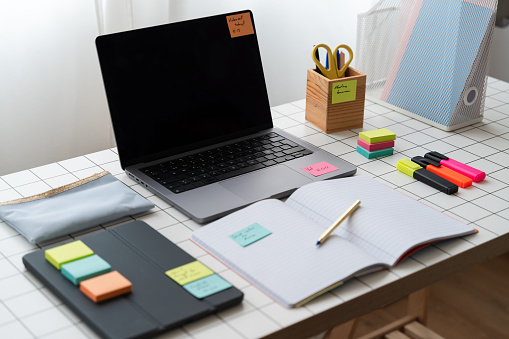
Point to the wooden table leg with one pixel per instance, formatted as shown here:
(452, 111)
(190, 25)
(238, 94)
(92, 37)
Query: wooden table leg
(418, 304)
(343, 331)
(417, 309)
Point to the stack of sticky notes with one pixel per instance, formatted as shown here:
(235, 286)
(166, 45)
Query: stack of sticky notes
(78, 263)
(198, 279)
(376, 143)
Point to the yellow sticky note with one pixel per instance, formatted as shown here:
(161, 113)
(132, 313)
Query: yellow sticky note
(189, 272)
(344, 91)
(72, 251)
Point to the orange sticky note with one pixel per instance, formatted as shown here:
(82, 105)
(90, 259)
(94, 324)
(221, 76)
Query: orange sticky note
(105, 286)
(240, 24)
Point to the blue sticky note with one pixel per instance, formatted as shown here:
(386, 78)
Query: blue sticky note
(207, 286)
(375, 154)
(250, 234)
(86, 268)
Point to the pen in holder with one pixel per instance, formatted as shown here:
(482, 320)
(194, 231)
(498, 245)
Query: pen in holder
(337, 104)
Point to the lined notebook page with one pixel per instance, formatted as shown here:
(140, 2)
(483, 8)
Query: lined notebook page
(386, 224)
(287, 264)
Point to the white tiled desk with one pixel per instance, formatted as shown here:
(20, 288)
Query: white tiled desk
(28, 309)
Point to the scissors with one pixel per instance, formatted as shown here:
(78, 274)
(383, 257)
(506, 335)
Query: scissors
(333, 72)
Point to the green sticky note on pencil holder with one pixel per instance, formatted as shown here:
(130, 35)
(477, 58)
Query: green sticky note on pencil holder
(344, 91)
(336, 104)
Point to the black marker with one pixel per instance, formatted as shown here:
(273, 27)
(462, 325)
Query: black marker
(317, 55)
(415, 171)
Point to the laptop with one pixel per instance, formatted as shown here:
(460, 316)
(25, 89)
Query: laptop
(192, 121)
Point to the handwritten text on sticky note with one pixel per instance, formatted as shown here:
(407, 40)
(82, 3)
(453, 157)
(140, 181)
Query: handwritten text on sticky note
(189, 272)
(240, 24)
(250, 234)
(204, 287)
(344, 91)
(320, 168)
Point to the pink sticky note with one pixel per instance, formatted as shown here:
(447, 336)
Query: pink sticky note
(320, 168)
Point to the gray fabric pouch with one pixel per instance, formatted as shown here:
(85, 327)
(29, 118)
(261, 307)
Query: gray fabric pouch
(89, 202)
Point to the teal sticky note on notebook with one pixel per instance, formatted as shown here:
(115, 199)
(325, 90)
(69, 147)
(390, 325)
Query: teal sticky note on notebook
(250, 234)
(207, 286)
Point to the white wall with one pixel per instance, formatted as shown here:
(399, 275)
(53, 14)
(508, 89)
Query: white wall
(52, 102)
(499, 54)
(287, 31)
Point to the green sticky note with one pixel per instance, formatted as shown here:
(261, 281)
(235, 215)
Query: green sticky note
(62, 254)
(207, 286)
(377, 135)
(189, 272)
(344, 91)
(250, 234)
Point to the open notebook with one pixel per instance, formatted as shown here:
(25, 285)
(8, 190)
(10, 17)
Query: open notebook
(289, 266)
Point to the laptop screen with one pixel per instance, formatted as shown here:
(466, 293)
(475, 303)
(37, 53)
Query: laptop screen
(181, 86)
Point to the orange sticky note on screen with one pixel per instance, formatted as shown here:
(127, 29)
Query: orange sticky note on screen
(240, 24)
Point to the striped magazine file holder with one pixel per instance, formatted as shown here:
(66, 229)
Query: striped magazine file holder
(436, 56)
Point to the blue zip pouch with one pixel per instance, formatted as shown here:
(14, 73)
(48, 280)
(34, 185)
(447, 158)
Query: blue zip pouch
(89, 202)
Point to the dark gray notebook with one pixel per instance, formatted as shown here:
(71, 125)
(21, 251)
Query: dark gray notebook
(156, 303)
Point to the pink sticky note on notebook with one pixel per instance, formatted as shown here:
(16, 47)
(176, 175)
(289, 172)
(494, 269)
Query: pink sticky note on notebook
(320, 168)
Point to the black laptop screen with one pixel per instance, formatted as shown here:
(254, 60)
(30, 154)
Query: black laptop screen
(181, 86)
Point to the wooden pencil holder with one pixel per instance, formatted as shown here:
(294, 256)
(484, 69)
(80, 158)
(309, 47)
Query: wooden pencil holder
(338, 104)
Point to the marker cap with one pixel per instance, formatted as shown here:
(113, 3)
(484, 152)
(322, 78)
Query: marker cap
(435, 156)
(425, 162)
(407, 166)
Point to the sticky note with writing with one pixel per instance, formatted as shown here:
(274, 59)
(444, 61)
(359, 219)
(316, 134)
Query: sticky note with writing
(344, 91)
(204, 287)
(240, 24)
(250, 234)
(320, 168)
(189, 272)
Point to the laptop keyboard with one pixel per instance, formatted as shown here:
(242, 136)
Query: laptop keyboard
(197, 170)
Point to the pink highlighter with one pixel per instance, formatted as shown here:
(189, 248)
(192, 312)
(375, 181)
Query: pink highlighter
(457, 166)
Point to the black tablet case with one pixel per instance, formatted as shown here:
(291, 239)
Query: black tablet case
(156, 303)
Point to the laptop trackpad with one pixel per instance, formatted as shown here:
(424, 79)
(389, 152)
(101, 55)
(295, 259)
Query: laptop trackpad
(265, 183)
